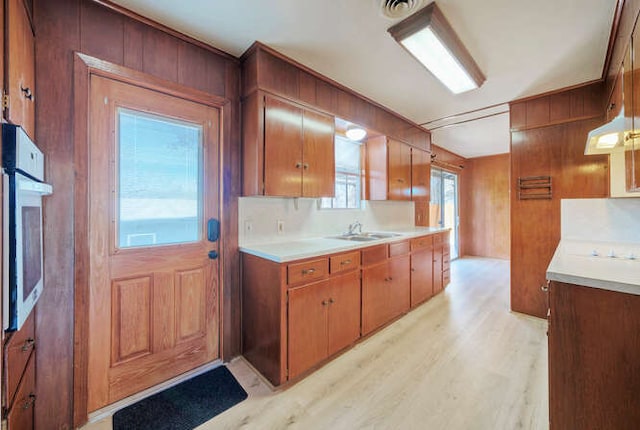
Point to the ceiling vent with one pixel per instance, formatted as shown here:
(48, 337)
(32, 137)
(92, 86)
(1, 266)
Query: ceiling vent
(395, 9)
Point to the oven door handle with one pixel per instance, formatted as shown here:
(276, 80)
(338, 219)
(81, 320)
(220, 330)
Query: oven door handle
(35, 187)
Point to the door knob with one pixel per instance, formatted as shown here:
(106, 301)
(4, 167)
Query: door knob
(213, 254)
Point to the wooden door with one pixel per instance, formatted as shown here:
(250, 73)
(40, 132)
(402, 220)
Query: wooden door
(308, 313)
(344, 312)
(153, 293)
(282, 148)
(399, 171)
(20, 84)
(421, 276)
(420, 175)
(318, 154)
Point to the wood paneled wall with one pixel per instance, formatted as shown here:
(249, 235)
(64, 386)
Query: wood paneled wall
(548, 136)
(484, 207)
(65, 26)
(445, 159)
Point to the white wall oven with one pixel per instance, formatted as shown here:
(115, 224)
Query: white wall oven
(23, 188)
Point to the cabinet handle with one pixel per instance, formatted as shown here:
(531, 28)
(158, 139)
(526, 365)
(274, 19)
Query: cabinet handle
(27, 92)
(400, 180)
(545, 287)
(29, 402)
(308, 271)
(345, 262)
(28, 344)
(298, 165)
(305, 166)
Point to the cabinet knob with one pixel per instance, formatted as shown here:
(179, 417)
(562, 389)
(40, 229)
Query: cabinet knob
(298, 165)
(331, 301)
(305, 166)
(545, 287)
(413, 269)
(26, 92)
(325, 302)
(28, 344)
(29, 401)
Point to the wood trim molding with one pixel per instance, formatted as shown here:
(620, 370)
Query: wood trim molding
(613, 36)
(557, 91)
(555, 123)
(148, 21)
(85, 66)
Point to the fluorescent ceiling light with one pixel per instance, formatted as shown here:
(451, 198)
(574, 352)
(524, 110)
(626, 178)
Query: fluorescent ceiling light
(608, 140)
(355, 133)
(609, 137)
(430, 39)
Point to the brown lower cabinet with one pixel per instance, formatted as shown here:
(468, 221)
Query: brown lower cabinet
(594, 358)
(298, 314)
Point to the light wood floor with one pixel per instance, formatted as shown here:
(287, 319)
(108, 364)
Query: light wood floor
(460, 361)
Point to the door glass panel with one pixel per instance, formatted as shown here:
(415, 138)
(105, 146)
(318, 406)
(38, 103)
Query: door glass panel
(443, 207)
(159, 180)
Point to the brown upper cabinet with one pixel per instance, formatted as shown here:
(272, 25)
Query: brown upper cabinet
(20, 66)
(396, 171)
(288, 148)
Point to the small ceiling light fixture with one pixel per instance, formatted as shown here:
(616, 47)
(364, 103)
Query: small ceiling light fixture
(355, 133)
(428, 36)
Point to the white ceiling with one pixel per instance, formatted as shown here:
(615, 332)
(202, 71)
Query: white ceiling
(523, 47)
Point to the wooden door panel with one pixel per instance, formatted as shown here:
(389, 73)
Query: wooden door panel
(308, 313)
(421, 276)
(153, 308)
(282, 148)
(131, 319)
(191, 303)
(344, 312)
(318, 154)
(399, 168)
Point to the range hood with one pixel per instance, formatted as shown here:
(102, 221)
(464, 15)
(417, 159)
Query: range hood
(609, 137)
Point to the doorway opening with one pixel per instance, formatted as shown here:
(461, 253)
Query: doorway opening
(443, 207)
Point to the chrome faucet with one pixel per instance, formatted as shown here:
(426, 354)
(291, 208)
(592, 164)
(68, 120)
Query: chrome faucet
(353, 227)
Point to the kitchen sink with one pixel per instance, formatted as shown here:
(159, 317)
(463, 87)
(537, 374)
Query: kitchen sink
(365, 237)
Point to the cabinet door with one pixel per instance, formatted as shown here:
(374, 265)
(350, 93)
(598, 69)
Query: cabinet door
(308, 313)
(399, 171)
(400, 275)
(632, 148)
(420, 174)
(376, 293)
(319, 171)
(437, 269)
(20, 85)
(282, 148)
(344, 311)
(20, 416)
(421, 276)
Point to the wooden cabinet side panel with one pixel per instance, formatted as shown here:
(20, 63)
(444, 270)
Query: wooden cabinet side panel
(253, 145)
(318, 174)
(594, 351)
(282, 148)
(420, 175)
(344, 311)
(308, 314)
(399, 171)
(263, 318)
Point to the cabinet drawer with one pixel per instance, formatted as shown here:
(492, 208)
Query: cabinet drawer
(307, 271)
(17, 352)
(344, 262)
(421, 242)
(399, 248)
(374, 255)
(20, 415)
(437, 238)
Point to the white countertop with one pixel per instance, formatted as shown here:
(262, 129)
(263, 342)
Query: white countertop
(290, 250)
(573, 263)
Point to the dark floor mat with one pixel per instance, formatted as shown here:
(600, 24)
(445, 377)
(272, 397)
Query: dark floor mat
(184, 406)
